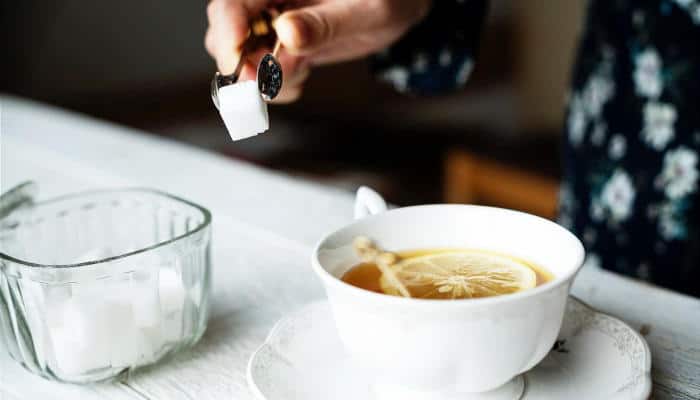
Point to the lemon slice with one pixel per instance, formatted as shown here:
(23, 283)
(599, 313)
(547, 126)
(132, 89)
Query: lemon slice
(460, 275)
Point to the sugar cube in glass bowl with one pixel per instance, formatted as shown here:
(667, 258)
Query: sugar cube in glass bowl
(97, 284)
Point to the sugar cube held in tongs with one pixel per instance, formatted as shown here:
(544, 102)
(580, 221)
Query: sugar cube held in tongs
(243, 105)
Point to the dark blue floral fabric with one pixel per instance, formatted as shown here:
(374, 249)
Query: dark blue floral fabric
(438, 54)
(630, 188)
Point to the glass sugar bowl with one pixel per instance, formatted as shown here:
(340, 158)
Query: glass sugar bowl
(96, 284)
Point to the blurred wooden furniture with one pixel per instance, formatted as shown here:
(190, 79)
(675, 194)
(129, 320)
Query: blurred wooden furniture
(473, 179)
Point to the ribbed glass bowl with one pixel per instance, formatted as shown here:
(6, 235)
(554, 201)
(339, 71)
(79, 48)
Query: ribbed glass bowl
(96, 284)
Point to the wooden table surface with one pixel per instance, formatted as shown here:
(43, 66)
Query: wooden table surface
(265, 225)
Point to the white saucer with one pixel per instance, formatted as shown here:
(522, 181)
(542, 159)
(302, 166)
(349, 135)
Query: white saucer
(596, 357)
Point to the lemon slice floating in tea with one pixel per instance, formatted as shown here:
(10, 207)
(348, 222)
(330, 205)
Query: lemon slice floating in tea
(461, 275)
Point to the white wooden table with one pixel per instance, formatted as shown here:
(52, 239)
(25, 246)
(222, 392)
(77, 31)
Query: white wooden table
(264, 228)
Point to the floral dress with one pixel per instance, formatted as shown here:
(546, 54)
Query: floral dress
(630, 187)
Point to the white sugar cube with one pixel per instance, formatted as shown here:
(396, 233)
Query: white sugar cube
(144, 297)
(73, 358)
(81, 340)
(124, 321)
(124, 338)
(171, 291)
(172, 298)
(44, 305)
(96, 330)
(33, 294)
(243, 110)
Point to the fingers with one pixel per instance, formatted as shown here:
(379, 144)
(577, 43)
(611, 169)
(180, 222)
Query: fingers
(293, 87)
(299, 77)
(288, 95)
(352, 47)
(306, 29)
(228, 29)
(296, 71)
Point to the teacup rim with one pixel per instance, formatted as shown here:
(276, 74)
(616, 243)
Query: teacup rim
(336, 282)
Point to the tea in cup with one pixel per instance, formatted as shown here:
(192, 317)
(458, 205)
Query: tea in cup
(483, 298)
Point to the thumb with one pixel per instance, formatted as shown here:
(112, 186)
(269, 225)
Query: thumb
(309, 28)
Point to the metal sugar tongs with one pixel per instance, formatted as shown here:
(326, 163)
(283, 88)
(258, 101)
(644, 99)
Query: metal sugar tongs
(269, 74)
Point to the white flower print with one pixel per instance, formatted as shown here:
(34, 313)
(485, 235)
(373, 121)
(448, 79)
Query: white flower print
(464, 71)
(599, 89)
(695, 13)
(647, 74)
(679, 175)
(658, 124)
(398, 77)
(617, 196)
(618, 147)
(692, 7)
(670, 227)
(684, 3)
(576, 121)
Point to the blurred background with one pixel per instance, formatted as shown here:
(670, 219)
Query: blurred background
(143, 64)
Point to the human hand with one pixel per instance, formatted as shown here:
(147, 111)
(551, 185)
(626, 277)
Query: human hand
(312, 32)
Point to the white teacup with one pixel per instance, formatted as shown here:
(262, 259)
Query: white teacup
(448, 349)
